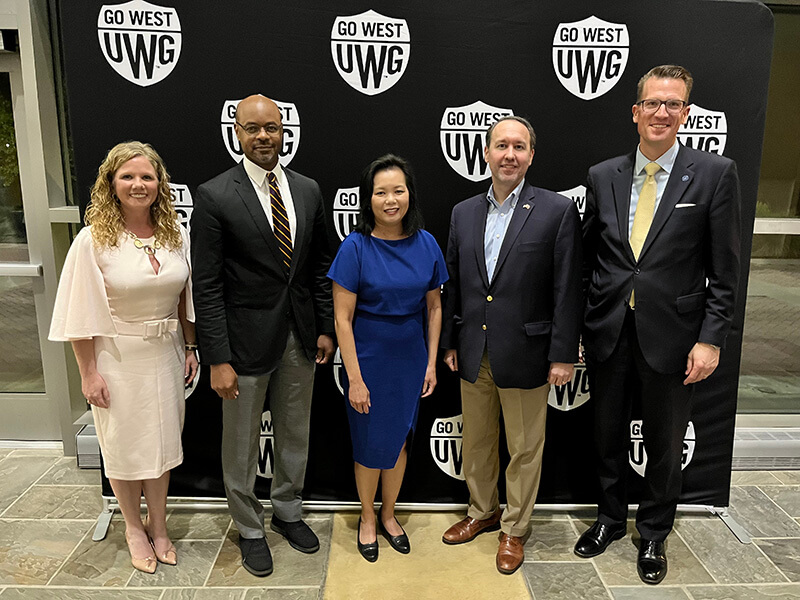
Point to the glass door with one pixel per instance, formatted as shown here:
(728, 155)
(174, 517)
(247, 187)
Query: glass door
(20, 356)
(29, 412)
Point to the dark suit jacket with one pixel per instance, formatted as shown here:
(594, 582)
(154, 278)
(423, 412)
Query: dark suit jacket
(530, 314)
(688, 271)
(244, 302)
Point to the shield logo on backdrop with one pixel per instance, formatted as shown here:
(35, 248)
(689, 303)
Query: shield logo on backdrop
(370, 51)
(338, 370)
(291, 130)
(182, 201)
(141, 41)
(345, 211)
(266, 452)
(572, 395)
(637, 456)
(463, 137)
(446, 445)
(589, 56)
(704, 130)
(578, 196)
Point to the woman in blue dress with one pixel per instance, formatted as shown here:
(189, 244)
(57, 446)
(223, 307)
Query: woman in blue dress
(386, 277)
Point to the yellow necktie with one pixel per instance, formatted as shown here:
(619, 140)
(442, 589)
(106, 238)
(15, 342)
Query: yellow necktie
(643, 217)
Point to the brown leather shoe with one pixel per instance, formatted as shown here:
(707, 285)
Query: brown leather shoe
(510, 554)
(466, 529)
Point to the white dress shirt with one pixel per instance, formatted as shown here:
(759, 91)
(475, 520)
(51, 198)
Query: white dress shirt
(258, 177)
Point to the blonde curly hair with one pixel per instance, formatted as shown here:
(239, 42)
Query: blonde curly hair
(104, 213)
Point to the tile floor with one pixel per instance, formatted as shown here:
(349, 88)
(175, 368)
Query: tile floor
(48, 509)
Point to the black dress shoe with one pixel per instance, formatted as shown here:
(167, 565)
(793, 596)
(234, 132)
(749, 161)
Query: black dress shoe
(368, 551)
(652, 562)
(597, 538)
(398, 542)
(256, 557)
(298, 534)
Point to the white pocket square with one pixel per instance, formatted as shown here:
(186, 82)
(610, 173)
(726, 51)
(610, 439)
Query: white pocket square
(684, 205)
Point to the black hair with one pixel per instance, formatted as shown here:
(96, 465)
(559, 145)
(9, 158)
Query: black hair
(412, 221)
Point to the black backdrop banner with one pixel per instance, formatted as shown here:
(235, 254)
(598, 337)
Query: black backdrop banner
(357, 79)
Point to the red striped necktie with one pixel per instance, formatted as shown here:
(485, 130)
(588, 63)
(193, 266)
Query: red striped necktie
(280, 221)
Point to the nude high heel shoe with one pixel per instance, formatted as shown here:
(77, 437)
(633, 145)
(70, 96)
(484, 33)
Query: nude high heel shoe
(147, 564)
(170, 556)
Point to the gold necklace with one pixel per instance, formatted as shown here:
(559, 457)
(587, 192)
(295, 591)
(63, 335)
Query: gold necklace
(148, 249)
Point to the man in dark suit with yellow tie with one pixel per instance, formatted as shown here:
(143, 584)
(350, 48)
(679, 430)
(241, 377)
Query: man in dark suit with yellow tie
(661, 257)
(264, 315)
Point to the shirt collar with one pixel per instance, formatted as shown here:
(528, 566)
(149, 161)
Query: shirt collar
(666, 161)
(257, 174)
(511, 201)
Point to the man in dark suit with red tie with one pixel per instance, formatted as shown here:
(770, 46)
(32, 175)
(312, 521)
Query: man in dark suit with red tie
(661, 253)
(511, 327)
(264, 316)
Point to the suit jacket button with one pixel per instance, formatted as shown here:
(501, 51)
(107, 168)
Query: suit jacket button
(637, 271)
(488, 298)
(483, 327)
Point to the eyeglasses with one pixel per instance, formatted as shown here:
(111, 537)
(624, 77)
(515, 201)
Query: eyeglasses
(253, 129)
(651, 105)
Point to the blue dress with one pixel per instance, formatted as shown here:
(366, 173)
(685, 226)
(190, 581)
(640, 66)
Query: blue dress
(390, 279)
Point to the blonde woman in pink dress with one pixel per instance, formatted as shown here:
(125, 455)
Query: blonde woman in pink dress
(124, 302)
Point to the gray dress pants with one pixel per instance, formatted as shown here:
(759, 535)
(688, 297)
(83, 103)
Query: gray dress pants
(290, 386)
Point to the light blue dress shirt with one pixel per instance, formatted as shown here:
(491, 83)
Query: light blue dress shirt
(666, 161)
(497, 220)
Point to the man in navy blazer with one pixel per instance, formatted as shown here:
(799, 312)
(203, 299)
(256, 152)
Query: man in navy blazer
(661, 251)
(512, 314)
(264, 316)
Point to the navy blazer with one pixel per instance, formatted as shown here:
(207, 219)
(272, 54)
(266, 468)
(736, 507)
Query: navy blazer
(243, 299)
(529, 315)
(687, 274)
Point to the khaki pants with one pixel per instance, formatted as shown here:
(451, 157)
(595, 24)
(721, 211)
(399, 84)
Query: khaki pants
(524, 414)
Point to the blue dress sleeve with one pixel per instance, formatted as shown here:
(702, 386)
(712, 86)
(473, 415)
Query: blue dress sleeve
(440, 274)
(346, 266)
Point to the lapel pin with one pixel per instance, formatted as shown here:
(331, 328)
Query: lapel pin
(526, 206)
(685, 178)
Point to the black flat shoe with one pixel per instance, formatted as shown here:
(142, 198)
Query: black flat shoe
(368, 551)
(398, 542)
(652, 562)
(597, 538)
(256, 557)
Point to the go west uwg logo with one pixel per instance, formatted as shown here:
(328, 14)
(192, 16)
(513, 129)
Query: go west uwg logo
(589, 56)
(578, 196)
(338, 371)
(704, 130)
(446, 445)
(572, 395)
(182, 202)
(345, 211)
(291, 130)
(463, 137)
(370, 51)
(266, 448)
(141, 41)
(637, 457)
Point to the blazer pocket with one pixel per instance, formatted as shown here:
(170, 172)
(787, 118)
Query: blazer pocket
(531, 246)
(691, 302)
(540, 328)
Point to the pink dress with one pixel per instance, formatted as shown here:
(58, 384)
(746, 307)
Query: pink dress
(114, 296)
